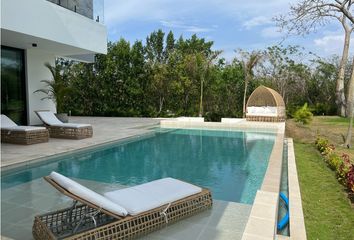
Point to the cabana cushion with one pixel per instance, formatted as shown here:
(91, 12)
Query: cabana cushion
(262, 111)
(87, 194)
(151, 195)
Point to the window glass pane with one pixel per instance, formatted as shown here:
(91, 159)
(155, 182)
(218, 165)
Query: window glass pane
(13, 89)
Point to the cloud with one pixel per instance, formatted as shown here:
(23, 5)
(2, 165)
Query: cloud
(331, 44)
(185, 27)
(257, 21)
(119, 11)
(271, 32)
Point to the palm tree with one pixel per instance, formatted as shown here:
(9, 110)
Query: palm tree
(248, 61)
(56, 89)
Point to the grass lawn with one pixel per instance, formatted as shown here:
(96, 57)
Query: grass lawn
(331, 127)
(328, 212)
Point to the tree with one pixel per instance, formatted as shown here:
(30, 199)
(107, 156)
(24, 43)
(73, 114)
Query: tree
(350, 109)
(248, 61)
(137, 86)
(283, 72)
(307, 15)
(224, 92)
(321, 87)
(170, 44)
(350, 94)
(349, 132)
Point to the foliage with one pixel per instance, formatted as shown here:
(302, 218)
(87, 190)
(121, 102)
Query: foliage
(322, 144)
(303, 115)
(56, 89)
(341, 164)
(167, 77)
(163, 77)
(350, 178)
(321, 87)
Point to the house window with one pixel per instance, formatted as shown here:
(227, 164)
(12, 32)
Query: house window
(13, 85)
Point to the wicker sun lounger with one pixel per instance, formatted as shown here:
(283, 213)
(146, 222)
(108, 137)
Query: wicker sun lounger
(90, 221)
(57, 129)
(12, 133)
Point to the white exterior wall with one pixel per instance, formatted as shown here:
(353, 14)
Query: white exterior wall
(35, 72)
(51, 24)
(57, 32)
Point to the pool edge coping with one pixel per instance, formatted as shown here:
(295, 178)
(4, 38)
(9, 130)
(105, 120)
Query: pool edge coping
(262, 224)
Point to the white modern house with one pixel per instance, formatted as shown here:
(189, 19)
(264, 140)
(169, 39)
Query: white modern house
(35, 32)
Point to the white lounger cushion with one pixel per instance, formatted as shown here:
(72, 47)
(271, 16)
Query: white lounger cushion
(87, 194)
(23, 128)
(49, 118)
(9, 125)
(71, 125)
(151, 195)
(7, 122)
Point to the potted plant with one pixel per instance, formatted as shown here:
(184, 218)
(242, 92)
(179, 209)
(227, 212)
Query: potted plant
(56, 90)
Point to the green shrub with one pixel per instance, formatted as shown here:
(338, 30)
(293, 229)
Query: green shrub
(334, 161)
(321, 144)
(323, 109)
(342, 165)
(344, 169)
(303, 115)
(350, 178)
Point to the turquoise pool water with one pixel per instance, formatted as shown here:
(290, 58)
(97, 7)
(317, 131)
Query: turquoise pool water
(230, 163)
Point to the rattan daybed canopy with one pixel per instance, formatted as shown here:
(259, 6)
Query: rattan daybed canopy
(265, 104)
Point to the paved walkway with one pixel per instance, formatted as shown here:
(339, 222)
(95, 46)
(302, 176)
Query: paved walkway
(105, 130)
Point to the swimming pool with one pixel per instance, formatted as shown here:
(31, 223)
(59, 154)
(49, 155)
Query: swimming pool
(230, 163)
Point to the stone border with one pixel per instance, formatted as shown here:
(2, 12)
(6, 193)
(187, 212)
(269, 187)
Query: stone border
(229, 124)
(262, 223)
(297, 221)
(263, 218)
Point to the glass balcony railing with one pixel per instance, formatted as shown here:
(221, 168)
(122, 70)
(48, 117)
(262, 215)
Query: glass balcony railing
(93, 9)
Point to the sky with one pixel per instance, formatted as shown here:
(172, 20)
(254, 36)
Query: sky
(230, 24)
